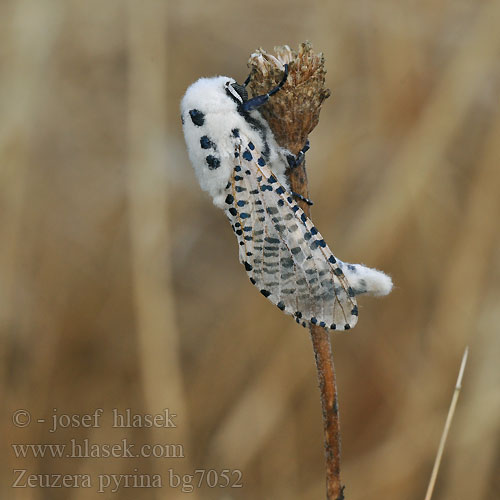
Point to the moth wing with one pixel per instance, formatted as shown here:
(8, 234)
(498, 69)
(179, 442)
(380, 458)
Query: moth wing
(283, 253)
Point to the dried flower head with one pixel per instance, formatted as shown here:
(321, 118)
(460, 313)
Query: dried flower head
(293, 112)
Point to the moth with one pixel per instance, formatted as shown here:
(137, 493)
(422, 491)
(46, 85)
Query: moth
(239, 163)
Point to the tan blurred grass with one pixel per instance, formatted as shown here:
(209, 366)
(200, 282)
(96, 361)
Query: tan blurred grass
(120, 285)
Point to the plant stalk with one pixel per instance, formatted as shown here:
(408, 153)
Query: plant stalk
(292, 113)
(326, 375)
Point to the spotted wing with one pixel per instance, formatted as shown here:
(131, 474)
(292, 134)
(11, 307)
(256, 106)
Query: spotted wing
(283, 253)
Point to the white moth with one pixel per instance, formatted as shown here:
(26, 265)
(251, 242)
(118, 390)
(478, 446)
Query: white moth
(238, 162)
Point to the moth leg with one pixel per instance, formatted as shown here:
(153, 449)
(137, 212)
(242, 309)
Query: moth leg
(296, 160)
(303, 198)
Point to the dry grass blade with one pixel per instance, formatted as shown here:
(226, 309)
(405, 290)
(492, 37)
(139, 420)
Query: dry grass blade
(447, 425)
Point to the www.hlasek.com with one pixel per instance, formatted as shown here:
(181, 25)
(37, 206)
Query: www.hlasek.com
(111, 483)
(86, 449)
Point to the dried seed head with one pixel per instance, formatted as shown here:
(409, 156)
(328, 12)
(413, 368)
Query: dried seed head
(293, 112)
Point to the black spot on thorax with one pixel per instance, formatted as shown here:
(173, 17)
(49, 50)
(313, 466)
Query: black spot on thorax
(212, 162)
(197, 117)
(206, 143)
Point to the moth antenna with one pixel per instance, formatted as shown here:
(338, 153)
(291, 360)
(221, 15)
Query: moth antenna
(249, 77)
(259, 100)
(280, 84)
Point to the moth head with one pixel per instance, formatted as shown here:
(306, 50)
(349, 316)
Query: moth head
(236, 91)
(220, 94)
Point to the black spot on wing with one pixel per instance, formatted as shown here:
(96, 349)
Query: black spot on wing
(302, 283)
(259, 126)
(247, 155)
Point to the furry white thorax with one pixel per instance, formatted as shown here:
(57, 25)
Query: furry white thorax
(221, 116)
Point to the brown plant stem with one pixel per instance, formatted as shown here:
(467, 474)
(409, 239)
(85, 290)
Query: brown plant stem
(329, 405)
(292, 114)
(326, 374)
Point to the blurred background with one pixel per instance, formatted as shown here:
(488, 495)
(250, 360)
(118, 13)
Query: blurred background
(120, 285)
